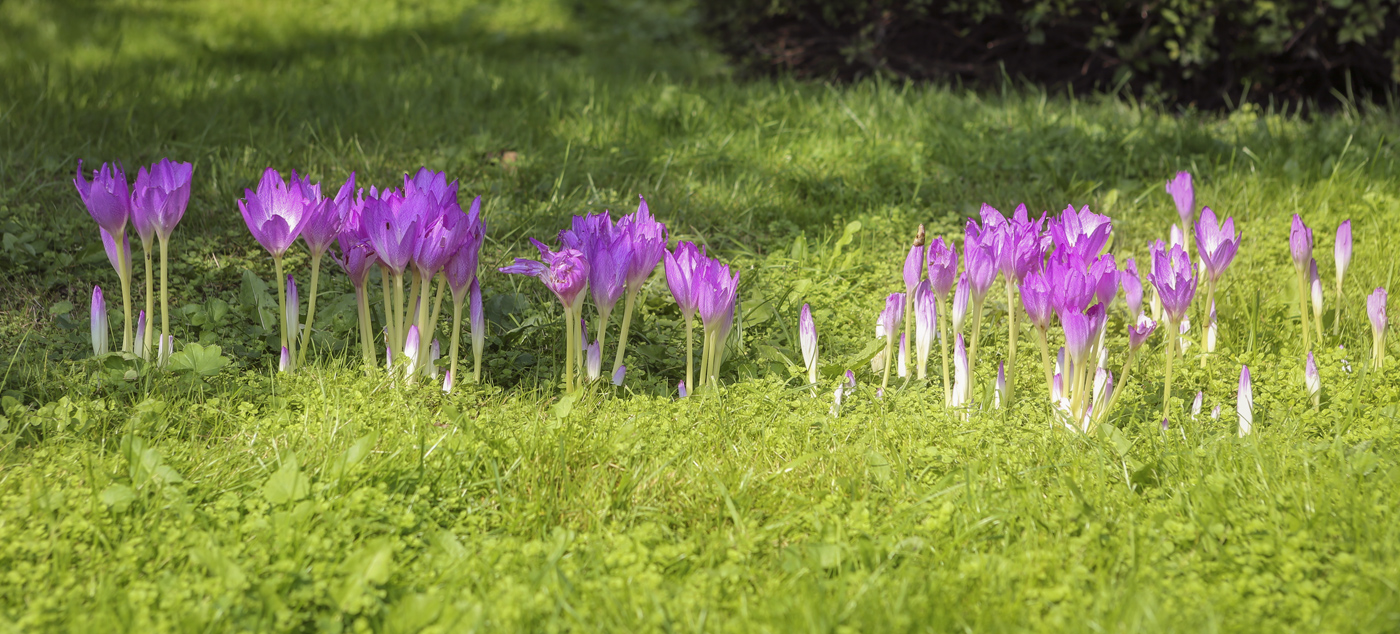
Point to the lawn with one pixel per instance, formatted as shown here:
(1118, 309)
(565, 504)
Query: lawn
(332, 498)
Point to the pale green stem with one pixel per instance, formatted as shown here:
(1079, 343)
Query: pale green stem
(1172, 333)
(400, 330)
(456, 334)
(390, 330)
(310, 308)
(689, 352)
(1303, 296)
(145, 343)
(626, 328)
(437, 308)
(1337, 317)
(366, 331)
(704, 356)
(425, 336)
(972, 343)
(281, 300)
(569, 347)
(889, 353)
(943, 350)
(1012, 334)
(124, 274)
(1045, 362)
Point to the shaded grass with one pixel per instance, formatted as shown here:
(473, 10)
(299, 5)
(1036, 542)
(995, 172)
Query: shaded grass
(750, 510)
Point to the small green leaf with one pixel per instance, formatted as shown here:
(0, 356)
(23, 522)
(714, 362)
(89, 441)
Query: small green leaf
(288, 484)
(61, 308)
(201, 360)
(118, 497)
(564, 406)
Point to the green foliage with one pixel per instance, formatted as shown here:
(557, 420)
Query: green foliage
(1214, 53)
(136, 499)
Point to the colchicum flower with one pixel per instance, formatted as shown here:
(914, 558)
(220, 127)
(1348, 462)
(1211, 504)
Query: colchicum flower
(1132, 287)
(1315, 291)
(962, 387)
(460, 272)
(141, 353)
(682, 266)
(619, 376)
(593, 361)
(98, 321)
(1312, 381)
(1341, 252)
(109, 203)
(1038, 300)
(564, 273)
(1184, 195)
(1196, 405)
(158, 202)
(1375, 309)
(717, 293)
(807, 336)
(1175, 281)
(609, 254)
(1300, 245)
(275, 215)
(887, 326)
(925, 326)
(1244, 403)
(1216, 243)
(325, 220)
(1083, 233)
(648, 243)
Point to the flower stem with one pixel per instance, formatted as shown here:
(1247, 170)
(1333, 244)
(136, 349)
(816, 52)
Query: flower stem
(569, 347)
(124, 274)
(281, 284)
(1172, 329)
(943, 350)
(425, 336)
(889, 353)
(689, 352)
(626, 328)
(1045, 362)
(366, 331)
(1120, 384)
(704, 355)
(437, 310)
(1303, 309)
(145, 343)
(1012, 333)
(415, 286)
(1337, 317)
(390, 331)
(400, 330)
(456, 334)
(310, 308)
(1206, 324)
(972, 343)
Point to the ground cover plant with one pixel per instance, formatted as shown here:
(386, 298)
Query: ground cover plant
(213, 491)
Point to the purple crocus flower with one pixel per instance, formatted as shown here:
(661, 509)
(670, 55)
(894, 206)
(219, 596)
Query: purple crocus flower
(680, 389)
(891, 316)
(1015, 243)
(563, 272)
(682, 264)
(1103, 276)
(1036, 297)
(1342, 250)
(106, 197)
(942, 268)
(477, 322)
(441, 236)
(433, 184)
(1083, 232)
(284, 362)
(1196, 404)
(1070, 286)
(1139, 332)
(1375, 309)
(1184, 196)
(460, 268)
(609, 261)
(1311, 379)
(391, 226)
(1244, 403)
(275, 213)
(925, 324)
(356, 256)
(1174, 278)
(716, 293)
(980, 261)
(960, 303)
(648, 244)
(962, 383)
(913, 267)
(1300, 244)
(293, 308)
(1215, 243)
(159, 198)
(1132, 287)
(98, 322)
(325, 218)
(807, 337)
(1082, 331)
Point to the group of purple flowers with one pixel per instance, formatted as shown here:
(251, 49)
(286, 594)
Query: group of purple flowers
(154, 205)
(613, 260)
(1060, 266)
(1061, 269)
(419, 231)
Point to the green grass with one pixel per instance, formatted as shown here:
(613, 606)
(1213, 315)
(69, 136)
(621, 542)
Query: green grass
(332, 500)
